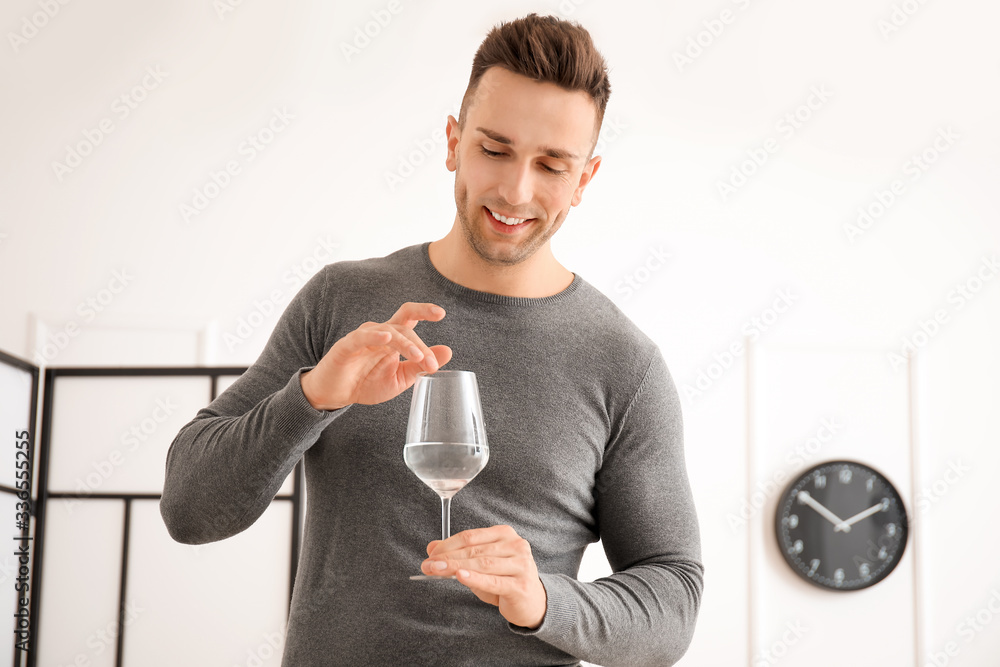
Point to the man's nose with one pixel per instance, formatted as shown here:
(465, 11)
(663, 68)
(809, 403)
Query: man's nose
(515, 187)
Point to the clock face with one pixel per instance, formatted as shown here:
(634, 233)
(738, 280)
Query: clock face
(841, 525)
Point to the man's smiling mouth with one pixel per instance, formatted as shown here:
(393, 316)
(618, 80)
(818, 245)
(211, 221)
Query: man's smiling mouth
(507, 220)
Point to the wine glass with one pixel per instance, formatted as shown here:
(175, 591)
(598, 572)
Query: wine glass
(445, 438)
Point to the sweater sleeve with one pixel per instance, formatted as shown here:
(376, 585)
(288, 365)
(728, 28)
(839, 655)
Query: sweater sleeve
(225, 466)
(645, 612)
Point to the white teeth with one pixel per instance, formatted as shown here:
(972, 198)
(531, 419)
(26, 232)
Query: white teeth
(508, 221)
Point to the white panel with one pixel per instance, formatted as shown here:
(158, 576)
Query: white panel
(81, 577)
(863, 403)
(714, 436)
(111, 434)
(15, 416)
(227, 600)
(594, 564)
(222, 383)
(957, 498)
(103, 340)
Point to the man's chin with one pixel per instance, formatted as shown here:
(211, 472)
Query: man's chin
(508, 257)
(499, 256)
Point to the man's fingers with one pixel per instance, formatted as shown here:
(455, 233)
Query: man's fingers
(406, 342)
(490, 584)
(474, 536)
(401, 340)
(409, 345)
(410, 313)
(442, 353)
(503, 549)
(372, 337)
(499, 566)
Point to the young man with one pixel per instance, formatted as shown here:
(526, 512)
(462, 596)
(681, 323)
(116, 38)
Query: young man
(583, 417)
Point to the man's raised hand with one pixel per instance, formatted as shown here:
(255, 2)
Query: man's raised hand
(365, 366)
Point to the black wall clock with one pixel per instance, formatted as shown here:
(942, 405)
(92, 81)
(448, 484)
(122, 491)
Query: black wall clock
(841, 525)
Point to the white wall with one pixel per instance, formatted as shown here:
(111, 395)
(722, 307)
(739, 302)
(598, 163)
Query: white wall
(318, 192)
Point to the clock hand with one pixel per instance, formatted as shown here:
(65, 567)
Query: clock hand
(846, 524)
(807, 499)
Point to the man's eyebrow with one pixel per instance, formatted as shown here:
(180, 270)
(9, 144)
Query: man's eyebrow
(557, 153)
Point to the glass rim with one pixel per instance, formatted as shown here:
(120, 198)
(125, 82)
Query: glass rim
(428, 374)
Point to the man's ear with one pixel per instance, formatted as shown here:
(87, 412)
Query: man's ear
(454, 134)
(588, 173)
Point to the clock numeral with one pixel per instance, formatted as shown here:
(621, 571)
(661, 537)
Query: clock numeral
(864, 568)
(820, 481)
(838, 576)
(890, 529)
(845, 476)
(813, 566)
(882, 553)
(870, 484)
(885, 504)
(797, 547)
(793, 521)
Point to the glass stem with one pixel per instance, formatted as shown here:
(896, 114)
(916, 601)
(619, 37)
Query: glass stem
(445, 518)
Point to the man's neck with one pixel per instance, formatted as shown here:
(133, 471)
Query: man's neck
(538, 276)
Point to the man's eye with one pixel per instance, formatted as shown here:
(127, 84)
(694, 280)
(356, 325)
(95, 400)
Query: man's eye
(488, 152)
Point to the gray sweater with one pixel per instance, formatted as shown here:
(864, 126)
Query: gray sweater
(586, 443)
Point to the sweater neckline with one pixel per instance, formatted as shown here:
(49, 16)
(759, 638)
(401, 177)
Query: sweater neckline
(489, 297)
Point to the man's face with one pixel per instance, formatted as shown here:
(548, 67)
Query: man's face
(522, 154)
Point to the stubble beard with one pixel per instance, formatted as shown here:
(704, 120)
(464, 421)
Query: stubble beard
(472, 228)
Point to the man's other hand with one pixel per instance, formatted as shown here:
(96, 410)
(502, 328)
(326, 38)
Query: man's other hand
(496, 564)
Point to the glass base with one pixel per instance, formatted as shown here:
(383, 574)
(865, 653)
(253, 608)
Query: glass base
(430, 577)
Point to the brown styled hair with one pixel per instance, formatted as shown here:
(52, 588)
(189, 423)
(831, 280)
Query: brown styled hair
(543, 48)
